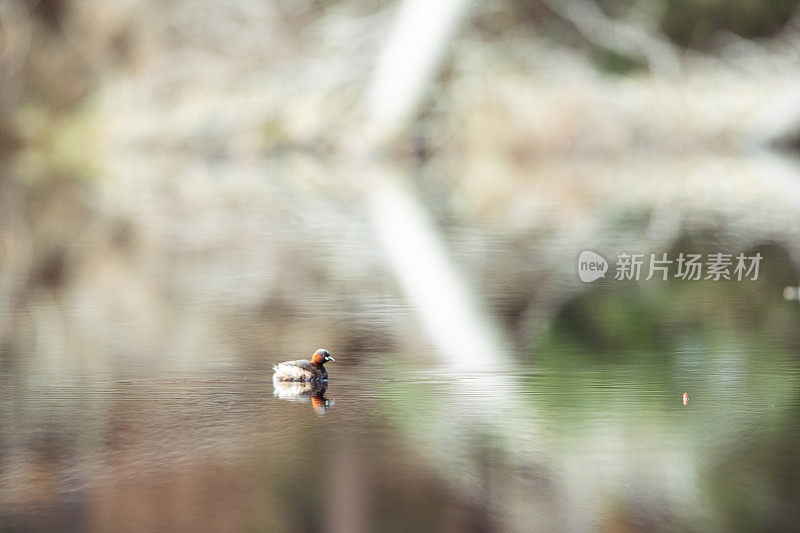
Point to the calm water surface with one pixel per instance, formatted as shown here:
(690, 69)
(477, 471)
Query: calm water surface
(550, 445)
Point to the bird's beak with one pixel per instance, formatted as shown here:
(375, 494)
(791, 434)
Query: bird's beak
(331, 358)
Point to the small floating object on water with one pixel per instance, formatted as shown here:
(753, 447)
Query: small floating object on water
(685, 398)
(303, 369)
(791, 293)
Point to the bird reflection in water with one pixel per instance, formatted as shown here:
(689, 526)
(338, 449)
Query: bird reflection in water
(304, 391)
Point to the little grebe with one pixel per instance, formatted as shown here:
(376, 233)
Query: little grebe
(303, 369)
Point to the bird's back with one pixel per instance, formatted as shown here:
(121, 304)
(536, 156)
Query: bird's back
(300, 370)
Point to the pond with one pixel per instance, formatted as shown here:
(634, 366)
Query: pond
(582, 434)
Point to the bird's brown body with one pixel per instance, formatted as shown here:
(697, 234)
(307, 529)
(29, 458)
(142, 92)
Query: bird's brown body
(303, 369)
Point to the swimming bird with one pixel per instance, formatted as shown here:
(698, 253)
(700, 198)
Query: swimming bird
(303, 369)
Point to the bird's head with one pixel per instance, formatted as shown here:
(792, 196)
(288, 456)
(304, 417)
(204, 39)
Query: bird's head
(321, 357)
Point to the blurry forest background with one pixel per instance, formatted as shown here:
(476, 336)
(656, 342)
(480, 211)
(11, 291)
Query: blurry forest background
(161, 161)
(185, 188)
